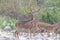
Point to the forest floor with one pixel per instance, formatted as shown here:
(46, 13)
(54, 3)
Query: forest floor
(4, 35)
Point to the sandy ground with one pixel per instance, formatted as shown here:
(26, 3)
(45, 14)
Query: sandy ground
(4, 35)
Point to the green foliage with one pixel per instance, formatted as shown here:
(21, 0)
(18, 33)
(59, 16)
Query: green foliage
(7, 21)
(49, 16)
(50, 10)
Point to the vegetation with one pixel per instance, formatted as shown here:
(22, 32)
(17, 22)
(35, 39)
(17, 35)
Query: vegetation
(11, 11)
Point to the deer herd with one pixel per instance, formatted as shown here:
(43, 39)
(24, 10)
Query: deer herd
(34, 26)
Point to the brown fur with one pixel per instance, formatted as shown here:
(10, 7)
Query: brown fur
(34, 26)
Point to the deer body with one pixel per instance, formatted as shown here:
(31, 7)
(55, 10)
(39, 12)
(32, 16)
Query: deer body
(32, 26)
(47, 27)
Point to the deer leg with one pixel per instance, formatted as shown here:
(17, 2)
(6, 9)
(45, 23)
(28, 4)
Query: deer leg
(17, 34)
(29, 34)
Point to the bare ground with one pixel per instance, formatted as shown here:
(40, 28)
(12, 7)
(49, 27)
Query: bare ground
(4, 35)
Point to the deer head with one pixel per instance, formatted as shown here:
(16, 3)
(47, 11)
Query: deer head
(32, 11)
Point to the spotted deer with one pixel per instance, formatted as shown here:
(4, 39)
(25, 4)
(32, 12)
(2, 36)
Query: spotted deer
(32, 25)
(25, 25)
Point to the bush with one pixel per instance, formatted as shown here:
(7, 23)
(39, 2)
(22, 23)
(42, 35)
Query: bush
(49, 16)
(7, 21)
